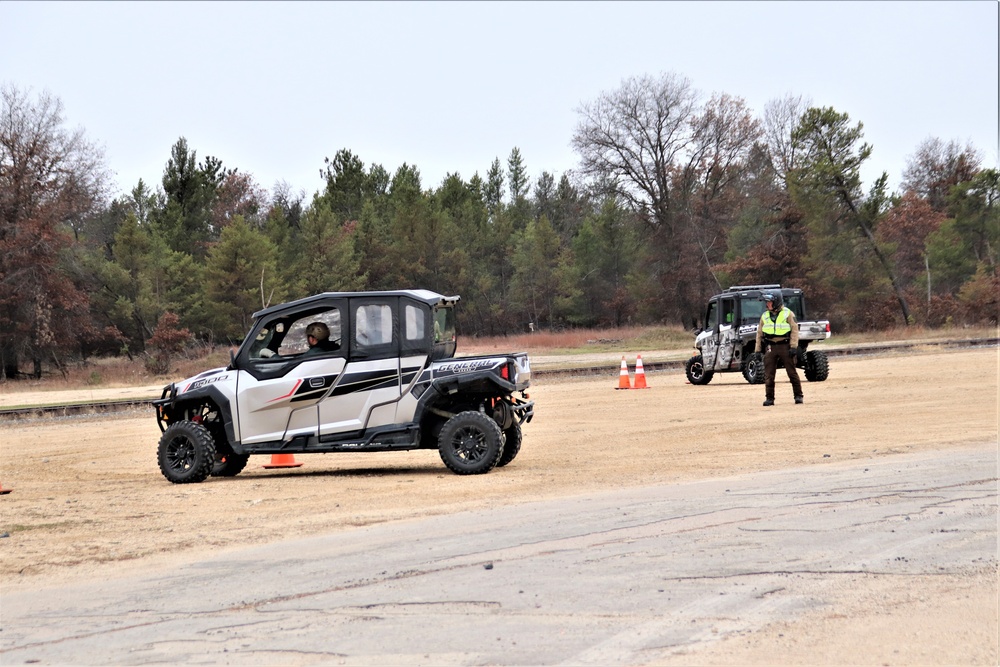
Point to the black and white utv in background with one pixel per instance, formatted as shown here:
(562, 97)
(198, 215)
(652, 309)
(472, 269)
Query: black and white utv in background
(386, 379)
(727, 342)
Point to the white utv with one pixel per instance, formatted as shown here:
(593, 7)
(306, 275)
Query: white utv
(728, 341)
(385, 378)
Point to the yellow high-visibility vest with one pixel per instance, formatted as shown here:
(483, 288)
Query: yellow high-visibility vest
(776, 328)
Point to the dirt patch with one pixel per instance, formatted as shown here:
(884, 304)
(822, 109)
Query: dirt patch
(88, 499)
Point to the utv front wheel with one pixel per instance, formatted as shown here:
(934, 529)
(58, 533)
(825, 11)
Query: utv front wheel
(753, 371)
(186, 453)
(470, 443)
(695, 370)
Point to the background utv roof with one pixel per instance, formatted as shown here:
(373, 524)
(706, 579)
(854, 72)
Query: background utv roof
(757, 290)
(427, 296)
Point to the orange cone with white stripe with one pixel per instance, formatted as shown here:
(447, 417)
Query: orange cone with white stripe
(623, 380)
(282, 461)
(640, 374)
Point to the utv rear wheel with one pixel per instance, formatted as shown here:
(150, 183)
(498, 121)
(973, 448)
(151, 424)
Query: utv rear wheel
(753, 371)
(817, 366)
(511, 444)
(186, 453)
(470, 443)
(695, 370)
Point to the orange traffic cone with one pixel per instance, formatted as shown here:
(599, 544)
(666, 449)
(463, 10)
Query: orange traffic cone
(623, 381)
(282, 461)
(640, 375)
(3, 490)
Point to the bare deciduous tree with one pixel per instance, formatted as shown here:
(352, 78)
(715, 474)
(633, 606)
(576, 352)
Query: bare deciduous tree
(51, 179)
(654, 145)
(636, 138)
(781, 117)
(936, 166)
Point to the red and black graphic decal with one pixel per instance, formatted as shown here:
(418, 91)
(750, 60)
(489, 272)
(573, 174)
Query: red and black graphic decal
(313, 388)
(367, 381)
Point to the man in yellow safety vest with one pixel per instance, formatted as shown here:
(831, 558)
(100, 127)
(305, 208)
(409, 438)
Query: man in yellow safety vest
(778, 338)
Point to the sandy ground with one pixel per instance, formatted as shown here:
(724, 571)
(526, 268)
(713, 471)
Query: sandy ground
(88, 499)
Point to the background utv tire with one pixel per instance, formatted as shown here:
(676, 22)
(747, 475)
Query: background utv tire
(511, 444)
(694, 368)
(817, 366)
(753, 370)
(470, 443)
(186, 453)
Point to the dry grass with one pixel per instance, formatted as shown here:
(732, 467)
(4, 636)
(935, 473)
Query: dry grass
(575, 341)
(578, 341)
(118, 372)
(917, 333)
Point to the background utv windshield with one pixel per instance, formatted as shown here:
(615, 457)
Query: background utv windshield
(795, 305)
(752, 308)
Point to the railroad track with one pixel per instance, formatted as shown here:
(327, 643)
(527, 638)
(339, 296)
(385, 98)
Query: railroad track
(74, 409)
(868, 349)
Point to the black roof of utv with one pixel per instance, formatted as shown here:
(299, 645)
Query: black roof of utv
(426, 296)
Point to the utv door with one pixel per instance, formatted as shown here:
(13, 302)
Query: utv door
(416, 342)
(389, 343)
(728, 335)
(719, 349)
(368, 389)
(710, 346)
(282, 380)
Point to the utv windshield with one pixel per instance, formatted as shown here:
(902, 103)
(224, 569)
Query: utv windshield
(752, 307)
(796, 305)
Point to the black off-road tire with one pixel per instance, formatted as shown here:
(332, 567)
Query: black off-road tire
(228, 463)
(470, 443)
(817, 366)
(511, 444)
(753, 369)
(186, 453)
(694, 368)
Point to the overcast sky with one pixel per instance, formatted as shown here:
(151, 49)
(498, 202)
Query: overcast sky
(274, 88)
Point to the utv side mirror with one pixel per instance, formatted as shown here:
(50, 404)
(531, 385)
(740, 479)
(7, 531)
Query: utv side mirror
(232, 359)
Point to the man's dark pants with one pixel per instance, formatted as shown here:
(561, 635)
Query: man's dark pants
(774, 352)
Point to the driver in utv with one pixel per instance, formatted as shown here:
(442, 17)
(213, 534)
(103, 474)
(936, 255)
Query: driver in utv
(778, 333)
(318, 337)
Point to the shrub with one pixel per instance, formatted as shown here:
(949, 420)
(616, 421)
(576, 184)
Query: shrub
(979, 296)
(168, 339)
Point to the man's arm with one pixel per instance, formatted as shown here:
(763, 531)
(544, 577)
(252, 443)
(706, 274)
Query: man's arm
(794, 340)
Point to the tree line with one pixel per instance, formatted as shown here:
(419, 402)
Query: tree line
(676, 196)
